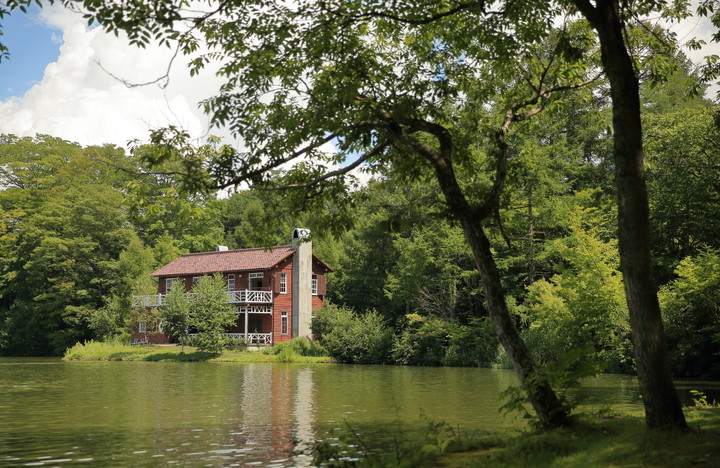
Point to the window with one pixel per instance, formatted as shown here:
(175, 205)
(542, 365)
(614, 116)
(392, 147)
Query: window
(196, 280)
(142, 327)
(284, 322)
(231, 282)
(283, 283)
(314, 285)
(169, 283)
(255, 281)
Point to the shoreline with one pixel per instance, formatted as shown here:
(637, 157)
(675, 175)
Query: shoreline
(96, 351)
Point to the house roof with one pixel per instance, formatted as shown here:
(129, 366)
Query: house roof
(229, 260)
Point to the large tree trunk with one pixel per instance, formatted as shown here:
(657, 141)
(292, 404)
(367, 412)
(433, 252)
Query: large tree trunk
(662, 405)
(540, 395)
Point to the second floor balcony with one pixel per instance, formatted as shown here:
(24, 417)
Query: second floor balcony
(243, 296)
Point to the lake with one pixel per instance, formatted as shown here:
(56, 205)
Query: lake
(56, 413)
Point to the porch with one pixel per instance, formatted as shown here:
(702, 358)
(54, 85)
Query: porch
(244, 296)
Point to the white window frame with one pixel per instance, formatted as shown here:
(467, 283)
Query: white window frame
(314, 285)
(283, 283)
(284, 322)
(252, 276)
(169, 282)
(231, 282)
(196, 280)
(142, 327)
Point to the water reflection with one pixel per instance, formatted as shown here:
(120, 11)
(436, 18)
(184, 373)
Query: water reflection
(191, 414)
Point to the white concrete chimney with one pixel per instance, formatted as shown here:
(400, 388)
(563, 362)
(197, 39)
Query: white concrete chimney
(301, 283)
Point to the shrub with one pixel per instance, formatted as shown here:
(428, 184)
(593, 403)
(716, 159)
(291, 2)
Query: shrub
(424, 341)
(431, 341)
(353, 338)
(300, 346)
(473, 345)
(691, 309)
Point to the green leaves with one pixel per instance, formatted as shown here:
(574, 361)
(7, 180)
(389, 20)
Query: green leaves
(210, 313)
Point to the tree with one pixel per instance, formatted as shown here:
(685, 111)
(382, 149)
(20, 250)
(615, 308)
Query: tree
(352, 338)
(609, 18)
(582, 307)
(175, 315)
(210, 313)
(683, 161)
(134, 265)
(64, 231)
(691, 307)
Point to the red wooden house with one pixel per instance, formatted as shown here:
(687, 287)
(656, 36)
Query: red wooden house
(275, 290)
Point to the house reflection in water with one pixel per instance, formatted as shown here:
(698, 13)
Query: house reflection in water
(275, 414)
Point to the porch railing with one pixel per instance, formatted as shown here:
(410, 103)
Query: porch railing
(252, 338)
(244, 296)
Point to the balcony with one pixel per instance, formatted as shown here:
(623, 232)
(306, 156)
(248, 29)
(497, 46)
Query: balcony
(251, 338)
(244, 296)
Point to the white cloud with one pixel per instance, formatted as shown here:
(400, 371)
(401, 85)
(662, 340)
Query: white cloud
(77, 100)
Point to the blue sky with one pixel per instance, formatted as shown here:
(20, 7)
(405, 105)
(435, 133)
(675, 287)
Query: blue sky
(33, 44)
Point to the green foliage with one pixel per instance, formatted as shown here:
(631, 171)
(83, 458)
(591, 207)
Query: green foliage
(175, 315)
(211, 314)
(60, 258)
(432, 341)
(352, 338)
(700, 401)
(300, 346)
(683, 148)
(135, 263)
(691, 309)
(582, 307)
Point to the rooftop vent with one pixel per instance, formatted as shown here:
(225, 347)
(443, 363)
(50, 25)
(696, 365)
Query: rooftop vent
(221, 248)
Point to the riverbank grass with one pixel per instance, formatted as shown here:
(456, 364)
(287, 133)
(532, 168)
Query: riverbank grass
(617, 441)
(98, 351)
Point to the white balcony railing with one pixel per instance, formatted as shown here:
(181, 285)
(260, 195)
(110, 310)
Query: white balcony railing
(245, 296)
(252, 338)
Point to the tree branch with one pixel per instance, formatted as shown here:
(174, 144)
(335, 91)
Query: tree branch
(415, 21)
(338, 172)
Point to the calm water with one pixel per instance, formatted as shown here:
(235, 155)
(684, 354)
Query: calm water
(56, 413)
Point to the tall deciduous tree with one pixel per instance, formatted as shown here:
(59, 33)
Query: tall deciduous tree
(609, 18)
(210, 313)
(175, 315)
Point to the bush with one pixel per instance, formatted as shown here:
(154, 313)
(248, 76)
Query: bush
(691, 309)
(423, 342)
(300, 346)
(431, 341)
(352, 338)
(473, 345)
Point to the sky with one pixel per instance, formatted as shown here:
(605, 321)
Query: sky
(54, 84)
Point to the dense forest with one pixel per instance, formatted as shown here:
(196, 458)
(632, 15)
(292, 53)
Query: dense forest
(82, 228)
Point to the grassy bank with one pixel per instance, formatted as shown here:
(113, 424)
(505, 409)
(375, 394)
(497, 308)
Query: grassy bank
(97, 351)
(618, 441)
(593, 441)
